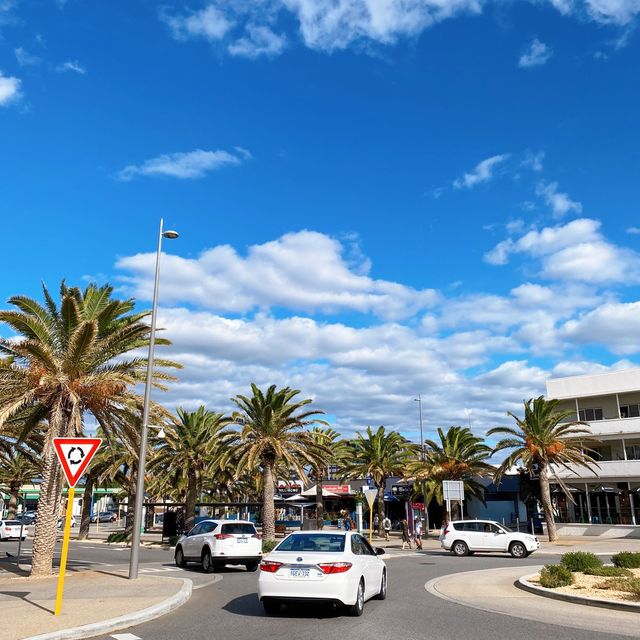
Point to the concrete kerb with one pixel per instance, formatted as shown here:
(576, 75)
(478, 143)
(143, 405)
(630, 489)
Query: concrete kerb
(122, 622)
(525, 584)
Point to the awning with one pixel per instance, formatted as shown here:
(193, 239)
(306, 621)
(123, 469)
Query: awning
(325, 493)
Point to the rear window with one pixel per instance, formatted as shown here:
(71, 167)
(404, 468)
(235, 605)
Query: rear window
(468, 526)
(320, 542)
(12, 523)
(240, 528)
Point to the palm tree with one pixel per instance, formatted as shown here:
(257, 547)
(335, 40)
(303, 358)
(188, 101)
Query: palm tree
(544, 437)
(69, 360)
(459, 455)
(379, 455)
(272, 434)
(193, 445)
(328, 438)
(18, 466)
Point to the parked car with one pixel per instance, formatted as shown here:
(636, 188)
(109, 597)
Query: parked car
(465, 537)
(340, 568)
(61, 522)
(27, 519)
(104, 516)
(215, 543)
(11, 529)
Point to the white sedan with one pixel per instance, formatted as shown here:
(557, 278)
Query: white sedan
(12, 529)
(316, 566)
(463, 537)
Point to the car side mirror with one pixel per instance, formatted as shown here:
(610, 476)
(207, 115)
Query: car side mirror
(380, 551)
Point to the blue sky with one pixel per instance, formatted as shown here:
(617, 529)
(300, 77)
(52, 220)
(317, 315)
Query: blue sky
(375, 199)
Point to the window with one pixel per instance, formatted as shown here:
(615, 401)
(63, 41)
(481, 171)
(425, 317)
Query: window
(242, 528)
(589, 415)
(208, 527)
(361, 547)
(197, 530)
(630, 411)
(321, 542)
(601, 453)
(472, 527)
(633, 452)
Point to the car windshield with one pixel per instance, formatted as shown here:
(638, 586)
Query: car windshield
(239, 528)
(320, 542)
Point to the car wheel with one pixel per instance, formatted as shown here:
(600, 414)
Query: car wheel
(271, 606)
(252, 566)
(382, 594)
(460, 548)
(207, 565)
(179, 558)
(517, 550)
(357, 608)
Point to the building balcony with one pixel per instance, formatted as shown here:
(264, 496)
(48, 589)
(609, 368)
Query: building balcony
(615, 427)
(618, 470)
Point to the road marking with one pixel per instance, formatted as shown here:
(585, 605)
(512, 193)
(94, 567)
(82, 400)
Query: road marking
(159, 569)
(125, 636)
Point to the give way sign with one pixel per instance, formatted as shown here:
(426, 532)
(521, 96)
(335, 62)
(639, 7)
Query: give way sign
(75, 455)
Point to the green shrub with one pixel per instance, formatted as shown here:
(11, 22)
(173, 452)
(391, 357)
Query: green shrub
(173, 540)
(555, 575)
(627, 559)
(608, 572)
(269, 545)
(118, 536)
(630, 585)
(580, 561)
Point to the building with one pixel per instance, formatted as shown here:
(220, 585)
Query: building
(609, 495)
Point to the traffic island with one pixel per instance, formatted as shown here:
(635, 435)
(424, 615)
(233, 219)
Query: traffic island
(95, 602)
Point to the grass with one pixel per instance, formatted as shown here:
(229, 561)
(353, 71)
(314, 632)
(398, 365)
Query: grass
(608, 572)
(553, 576)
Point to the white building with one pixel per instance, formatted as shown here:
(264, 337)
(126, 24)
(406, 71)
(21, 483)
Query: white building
(610, 404)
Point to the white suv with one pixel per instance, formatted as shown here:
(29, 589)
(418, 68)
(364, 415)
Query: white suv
(463, 537)
(215, 543)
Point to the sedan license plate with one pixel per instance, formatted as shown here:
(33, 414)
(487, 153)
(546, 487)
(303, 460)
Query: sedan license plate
(300, 573)
(245, 540)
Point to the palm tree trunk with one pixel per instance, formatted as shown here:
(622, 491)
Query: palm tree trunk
(545, 496)
(190, 502)
(319, 503)
(14, 497)
(46, 532)
(85, 518)
(268, 507)
(381, 503)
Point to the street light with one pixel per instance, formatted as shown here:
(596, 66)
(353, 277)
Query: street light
(137, 521)
(419, 401)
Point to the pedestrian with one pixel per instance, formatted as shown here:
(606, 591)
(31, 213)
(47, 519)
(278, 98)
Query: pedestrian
(376, 525)
(406, 538)
(418, 531)
(386, 525)
(347, 523)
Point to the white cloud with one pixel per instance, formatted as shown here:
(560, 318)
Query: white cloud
(537, 54)
(560, 203)
(209, 23)
(258, 41)
(633, 231)
(576, 251)
(9, 89)
(483, 172)
(620, 12)
(72, 65)
(26, 59)
(305, 271)
(188, 165)
(533, 161)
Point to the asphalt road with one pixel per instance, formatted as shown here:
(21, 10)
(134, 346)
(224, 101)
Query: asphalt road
(230, 609)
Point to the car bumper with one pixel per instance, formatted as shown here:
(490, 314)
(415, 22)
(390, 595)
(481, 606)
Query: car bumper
(236, 559)
(330, 589)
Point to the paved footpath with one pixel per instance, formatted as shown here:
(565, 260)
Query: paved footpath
(493, 590)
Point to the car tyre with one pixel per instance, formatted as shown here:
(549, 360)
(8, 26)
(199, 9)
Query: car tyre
(252, 566)
(460, 548)
(179, 558)
(207, 565)
(357, 608)
(382, 594)
(517, 550)
(271, 606)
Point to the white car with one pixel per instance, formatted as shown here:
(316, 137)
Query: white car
(215, 543)
(464, 537)
(61, 522)
(336, 567)
(11, 529)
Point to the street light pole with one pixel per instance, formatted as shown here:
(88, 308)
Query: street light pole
(142, 456)
(419, 401)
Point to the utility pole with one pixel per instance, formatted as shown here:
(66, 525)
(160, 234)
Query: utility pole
(419, 401)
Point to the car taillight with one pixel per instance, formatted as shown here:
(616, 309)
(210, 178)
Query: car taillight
(223, 536)
(445, 532)
(334, 567)
(257, 535)
(269, 566)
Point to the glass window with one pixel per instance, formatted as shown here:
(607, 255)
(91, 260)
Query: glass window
(208, 527)
(601, 453)
(321, 542)
(239, 528)
(633, 452)
(197, 530)
(589, 415)
(366, 549)
(630, 411)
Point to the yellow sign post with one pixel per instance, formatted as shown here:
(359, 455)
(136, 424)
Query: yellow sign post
(65, 550)
(370, 495)
(74, 455)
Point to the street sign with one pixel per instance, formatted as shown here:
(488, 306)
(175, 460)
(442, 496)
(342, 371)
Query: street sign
(75, 455)
(370, 495)
(453, 489)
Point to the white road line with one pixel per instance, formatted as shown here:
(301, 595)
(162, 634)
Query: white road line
(125, 636)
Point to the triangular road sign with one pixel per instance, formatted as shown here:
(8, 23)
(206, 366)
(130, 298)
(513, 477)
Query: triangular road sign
(75, 455)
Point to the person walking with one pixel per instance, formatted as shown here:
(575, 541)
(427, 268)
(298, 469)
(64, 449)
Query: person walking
(376, 525)
(417, 527)
(406, 538)
(386, 525)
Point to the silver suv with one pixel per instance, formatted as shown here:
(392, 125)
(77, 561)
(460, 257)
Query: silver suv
(216, 543)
